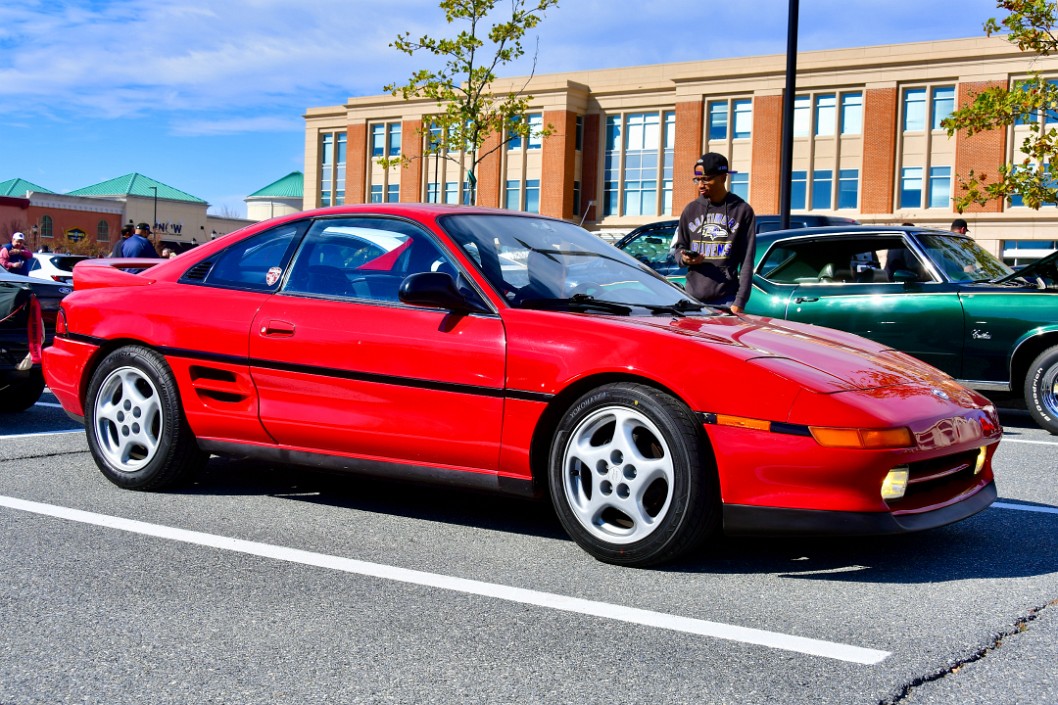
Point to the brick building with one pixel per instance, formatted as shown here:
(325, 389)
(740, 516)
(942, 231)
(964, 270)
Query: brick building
(867, 141)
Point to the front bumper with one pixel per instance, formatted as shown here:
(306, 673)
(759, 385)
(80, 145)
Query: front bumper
(750, 520)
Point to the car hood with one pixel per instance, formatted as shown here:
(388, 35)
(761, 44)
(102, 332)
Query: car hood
(1047, 262)
(825, 359)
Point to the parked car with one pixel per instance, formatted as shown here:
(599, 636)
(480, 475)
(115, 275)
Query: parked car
(54, 267)
(650, 420)
(27, 323)
(934, 294)
(652, 243)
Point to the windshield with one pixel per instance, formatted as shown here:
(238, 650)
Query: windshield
(529, 260)
(962, 259)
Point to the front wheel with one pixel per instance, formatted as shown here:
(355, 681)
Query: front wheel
(135, 425)
(1041, 389)
(631, 476)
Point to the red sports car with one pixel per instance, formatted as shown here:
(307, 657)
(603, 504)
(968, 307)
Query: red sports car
(517, 353)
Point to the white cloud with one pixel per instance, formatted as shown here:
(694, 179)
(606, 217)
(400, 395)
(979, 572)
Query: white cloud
(210, 65)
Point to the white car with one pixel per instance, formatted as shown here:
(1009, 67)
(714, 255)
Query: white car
(53, 266)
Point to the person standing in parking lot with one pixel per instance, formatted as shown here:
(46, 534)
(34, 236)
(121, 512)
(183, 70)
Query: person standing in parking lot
(959, 226)
(15, 257)
(138, 244)
(715, 238)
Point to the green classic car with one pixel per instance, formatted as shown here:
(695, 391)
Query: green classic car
(934, 294)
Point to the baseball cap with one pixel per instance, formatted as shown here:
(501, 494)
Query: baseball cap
(959, 223)
(17, 236)
(712, 164)
(143, 226)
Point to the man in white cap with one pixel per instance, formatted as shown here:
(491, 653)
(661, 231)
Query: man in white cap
(15, 257)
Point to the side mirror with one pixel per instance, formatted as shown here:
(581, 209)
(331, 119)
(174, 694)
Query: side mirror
(437, 290)
(904, 276)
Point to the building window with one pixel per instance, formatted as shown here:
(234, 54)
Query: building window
(339, 169)
(376, 193)
(851, 113)
(385, 139)
(46, 226)
(848, 189)
(638, 163)
(718, 120)
(512, 195)
(939, 187)
(578, 140)
(914, 110)
(536, 127)
(392, 193)
(332, 168)
(798, 190)
(102, 231)
(432, 192)
(576, 198)
(802, 116)
(534, 140)
(911, 187)
(743, 119)
(452, 192)
(532, 195)
(326, 167)
(740, 185)
(822, 189)
(826, 115)
(943, 105)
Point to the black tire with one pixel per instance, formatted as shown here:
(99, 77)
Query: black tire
(645, 496)
(1041, 389)
(24, 393)
(137, 432)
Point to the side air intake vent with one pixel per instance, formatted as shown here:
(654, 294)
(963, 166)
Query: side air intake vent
(199, 272)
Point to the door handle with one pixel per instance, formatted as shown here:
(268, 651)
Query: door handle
(805, 299)
(281, 329)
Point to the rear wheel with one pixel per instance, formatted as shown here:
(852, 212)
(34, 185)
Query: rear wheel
(136, 428)
(1041, 389)
(631, 476)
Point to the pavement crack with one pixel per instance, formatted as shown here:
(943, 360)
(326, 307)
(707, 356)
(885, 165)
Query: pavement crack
(1021, 624)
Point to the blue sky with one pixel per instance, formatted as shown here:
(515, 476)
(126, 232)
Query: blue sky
(207, 96)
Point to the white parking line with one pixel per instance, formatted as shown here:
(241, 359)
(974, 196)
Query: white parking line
(43, 433)
(1025, 507)
(632, 615)
(1007, 439)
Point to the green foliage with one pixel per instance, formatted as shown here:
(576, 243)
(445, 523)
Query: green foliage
(1029, 26)
(468, 111)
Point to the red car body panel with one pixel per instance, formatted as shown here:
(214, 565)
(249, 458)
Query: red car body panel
(470, 393)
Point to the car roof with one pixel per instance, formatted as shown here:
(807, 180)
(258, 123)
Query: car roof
(766, 239)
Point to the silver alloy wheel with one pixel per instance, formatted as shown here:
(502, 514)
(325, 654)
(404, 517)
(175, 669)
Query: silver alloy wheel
(618, 474)
(128, 419)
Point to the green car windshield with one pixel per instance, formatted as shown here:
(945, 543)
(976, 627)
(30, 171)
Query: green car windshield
(962, 259)
(532, 261)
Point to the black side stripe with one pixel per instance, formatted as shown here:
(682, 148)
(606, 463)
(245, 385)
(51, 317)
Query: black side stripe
(319, 371)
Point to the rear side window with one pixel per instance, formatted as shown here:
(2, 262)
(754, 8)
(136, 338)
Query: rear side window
(257, 263)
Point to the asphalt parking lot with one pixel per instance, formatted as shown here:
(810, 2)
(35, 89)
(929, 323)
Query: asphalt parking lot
(270, 584)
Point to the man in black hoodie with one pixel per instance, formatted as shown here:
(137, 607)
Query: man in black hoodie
(715, 238)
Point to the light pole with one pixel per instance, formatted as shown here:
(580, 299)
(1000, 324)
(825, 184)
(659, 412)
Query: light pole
(34, 231)
(154, 225)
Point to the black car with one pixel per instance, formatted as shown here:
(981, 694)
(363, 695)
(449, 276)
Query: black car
(652, 243)
(28, 308)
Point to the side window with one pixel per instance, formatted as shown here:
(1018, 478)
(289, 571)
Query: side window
(362, 258)
(257, 262)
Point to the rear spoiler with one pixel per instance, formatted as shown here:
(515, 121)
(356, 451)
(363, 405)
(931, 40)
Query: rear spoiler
(108, 272)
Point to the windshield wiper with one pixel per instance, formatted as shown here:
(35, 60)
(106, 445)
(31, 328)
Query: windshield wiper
(579, 302)
(679, 308)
